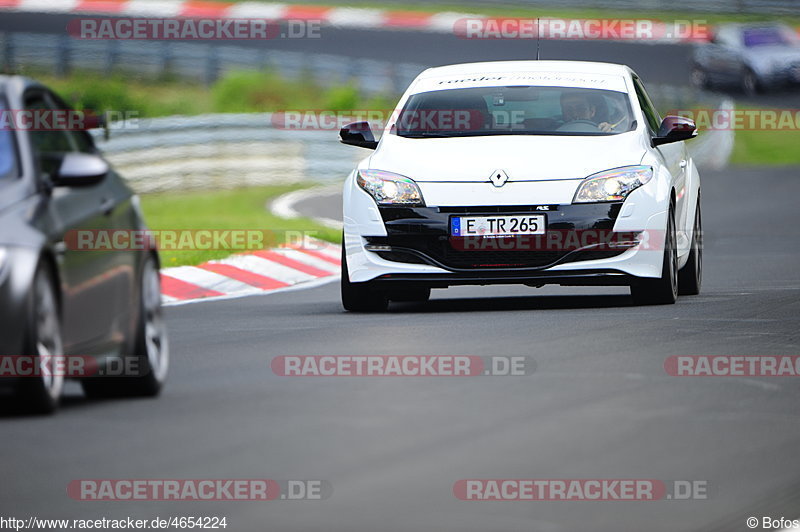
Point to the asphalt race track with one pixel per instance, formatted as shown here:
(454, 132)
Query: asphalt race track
(599, 404)
(666, 64)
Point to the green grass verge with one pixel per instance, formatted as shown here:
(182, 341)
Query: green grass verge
(237, 92)
(773, 147)
(236, 209)
(766, 147)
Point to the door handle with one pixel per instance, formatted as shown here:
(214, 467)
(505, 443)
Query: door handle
(683, 163)
(107, 206)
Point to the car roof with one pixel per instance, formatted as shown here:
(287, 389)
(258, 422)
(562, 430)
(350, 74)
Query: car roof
(510, 67)
(579, 74)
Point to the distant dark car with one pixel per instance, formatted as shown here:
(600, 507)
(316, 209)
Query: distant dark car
(58, 301)
(749, 56)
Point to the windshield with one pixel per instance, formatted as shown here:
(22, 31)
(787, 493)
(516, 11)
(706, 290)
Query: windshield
(7, 158)
(770, 36)
(517, 110)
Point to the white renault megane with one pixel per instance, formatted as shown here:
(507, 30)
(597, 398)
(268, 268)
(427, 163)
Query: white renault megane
(522, 172)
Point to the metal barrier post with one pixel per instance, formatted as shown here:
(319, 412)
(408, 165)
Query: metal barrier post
(64, 49)
(112, 51)
(212, 65)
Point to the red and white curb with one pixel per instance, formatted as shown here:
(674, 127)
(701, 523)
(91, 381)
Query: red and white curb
(313, 263)
(352, 17)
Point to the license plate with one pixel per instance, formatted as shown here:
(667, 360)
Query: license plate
(506, 225)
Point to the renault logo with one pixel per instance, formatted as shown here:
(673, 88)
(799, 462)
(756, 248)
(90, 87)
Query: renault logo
(499, 178)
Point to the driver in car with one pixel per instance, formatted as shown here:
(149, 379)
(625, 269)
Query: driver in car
(576, 106)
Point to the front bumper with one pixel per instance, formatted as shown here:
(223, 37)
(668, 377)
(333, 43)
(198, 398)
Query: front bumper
(417, 248)
(574, 233)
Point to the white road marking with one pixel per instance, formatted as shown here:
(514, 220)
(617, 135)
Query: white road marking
(283, 206)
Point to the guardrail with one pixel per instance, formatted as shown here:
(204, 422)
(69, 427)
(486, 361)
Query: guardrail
(223, 151)
(196, 61)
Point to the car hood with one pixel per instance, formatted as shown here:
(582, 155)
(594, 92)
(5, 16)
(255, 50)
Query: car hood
(522, 157)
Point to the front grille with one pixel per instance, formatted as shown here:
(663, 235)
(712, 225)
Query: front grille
(423, 234)
(401, 256)
(499, 259)
(442, 252)
(513, 209)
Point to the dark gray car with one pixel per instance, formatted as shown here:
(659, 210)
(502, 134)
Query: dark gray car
(752, 57)
(60, 303)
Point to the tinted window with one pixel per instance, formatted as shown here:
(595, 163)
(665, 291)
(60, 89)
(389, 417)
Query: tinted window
(766, 37)
(46, 140)
(518, 110)
(649, 110)
(51, 143)
(81, 140)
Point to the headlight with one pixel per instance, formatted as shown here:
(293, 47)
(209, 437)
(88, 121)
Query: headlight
(389, 189)
(612, 185)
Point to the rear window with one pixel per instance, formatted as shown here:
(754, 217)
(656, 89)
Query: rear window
(515, 110)
(767, 37)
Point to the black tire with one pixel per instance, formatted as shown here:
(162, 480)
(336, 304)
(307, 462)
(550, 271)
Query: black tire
(150, 358)
(412, 295)
(750, 84)
(690, 277)
(664, 290)
(41, 394)
(358, 297)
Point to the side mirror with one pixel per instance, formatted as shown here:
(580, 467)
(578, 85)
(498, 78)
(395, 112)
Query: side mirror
(80, 169)
(358, 134)
(674, 129)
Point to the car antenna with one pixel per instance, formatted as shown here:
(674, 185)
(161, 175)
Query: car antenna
(538, 37)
